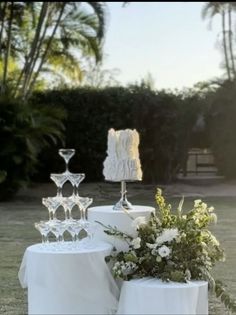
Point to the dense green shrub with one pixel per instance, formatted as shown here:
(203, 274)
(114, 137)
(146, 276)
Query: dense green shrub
(25, 130)
(164, 120)
(221, 122)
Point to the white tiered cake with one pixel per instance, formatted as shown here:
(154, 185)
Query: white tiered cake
(122, 162)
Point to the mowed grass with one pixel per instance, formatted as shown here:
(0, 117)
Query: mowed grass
(17, 233)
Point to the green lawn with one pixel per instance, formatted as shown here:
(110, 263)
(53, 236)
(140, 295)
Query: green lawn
(17, 232)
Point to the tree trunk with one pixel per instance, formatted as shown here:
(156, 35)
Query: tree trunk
(38, 50)
(44, 56)
(225, 45)
(230, 39)
(2, 25)
(8, 49)
(28, 62)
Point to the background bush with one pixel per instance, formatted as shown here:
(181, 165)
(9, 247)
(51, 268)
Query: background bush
(25, 130)
(163, 119)
(221, 126)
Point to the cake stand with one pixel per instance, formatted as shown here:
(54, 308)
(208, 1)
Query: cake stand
(123, 203)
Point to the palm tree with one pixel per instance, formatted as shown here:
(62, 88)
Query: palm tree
(211, 9)
(11, 19)
(8, 46)
(52, 33)
(230, 36)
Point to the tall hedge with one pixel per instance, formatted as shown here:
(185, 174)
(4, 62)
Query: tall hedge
(221, 123)
(163, 119)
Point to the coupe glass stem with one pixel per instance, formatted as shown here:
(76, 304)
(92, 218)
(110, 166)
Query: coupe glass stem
(50, 215)
(67, 166)
(59, 191)
(70, 216)
(67, 217)
(44, 239)
(82, 213)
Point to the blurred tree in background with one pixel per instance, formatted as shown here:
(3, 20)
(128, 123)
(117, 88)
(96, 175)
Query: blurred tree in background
(227, 11)
(49, 37)
(37, 39)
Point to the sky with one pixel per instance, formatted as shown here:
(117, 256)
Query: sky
(169, 40)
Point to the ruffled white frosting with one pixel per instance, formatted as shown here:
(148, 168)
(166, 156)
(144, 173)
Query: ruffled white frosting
(122, 161)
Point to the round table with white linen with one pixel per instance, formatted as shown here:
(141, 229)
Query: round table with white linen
(152, 296)
(74, 281)
(116, 218)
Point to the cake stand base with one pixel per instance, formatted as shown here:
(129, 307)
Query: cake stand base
(123, 203)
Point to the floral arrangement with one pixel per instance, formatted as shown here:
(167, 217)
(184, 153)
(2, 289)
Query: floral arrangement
(173, 247)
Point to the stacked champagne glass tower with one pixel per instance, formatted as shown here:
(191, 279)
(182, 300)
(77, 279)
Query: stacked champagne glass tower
(58, 227)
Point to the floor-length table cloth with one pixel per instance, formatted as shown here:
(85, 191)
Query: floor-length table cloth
(118, 218)
(152, 296)
(68, 282)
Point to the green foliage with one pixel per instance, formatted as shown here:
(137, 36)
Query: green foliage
(172, 246)
(25, 130)
(163, 119)
(225, 297)
(221, 122)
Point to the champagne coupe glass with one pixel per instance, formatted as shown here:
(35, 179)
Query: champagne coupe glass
(76, 179)
(78, 227)
(83, 203)
(68, 203)
(51, 203)
(44, 230)
(71, 227)
(66, 154)
(58, 229)
(59, 180)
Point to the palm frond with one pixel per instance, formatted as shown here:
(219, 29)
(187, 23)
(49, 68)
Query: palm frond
(100, 11)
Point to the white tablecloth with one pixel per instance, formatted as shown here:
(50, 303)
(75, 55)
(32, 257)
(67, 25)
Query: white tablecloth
(118, 218)
(152, 296)
(68, 282)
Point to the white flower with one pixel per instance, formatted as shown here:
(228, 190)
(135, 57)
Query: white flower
(128, 267)
(211, 209)
(214, 240)
(164, 251)
(204, 206)
(123, 268)
(136, 223)
(136, 242)
(197, 203)
(167, 236)
(158, 259)
(213, 218)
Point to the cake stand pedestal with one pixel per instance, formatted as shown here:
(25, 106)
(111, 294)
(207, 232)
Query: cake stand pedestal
(123, 203)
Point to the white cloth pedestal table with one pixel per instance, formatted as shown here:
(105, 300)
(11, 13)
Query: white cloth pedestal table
(118, 218)
(68, 282)
(152, 296)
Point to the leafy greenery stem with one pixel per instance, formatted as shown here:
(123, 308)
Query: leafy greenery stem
(110, 230)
